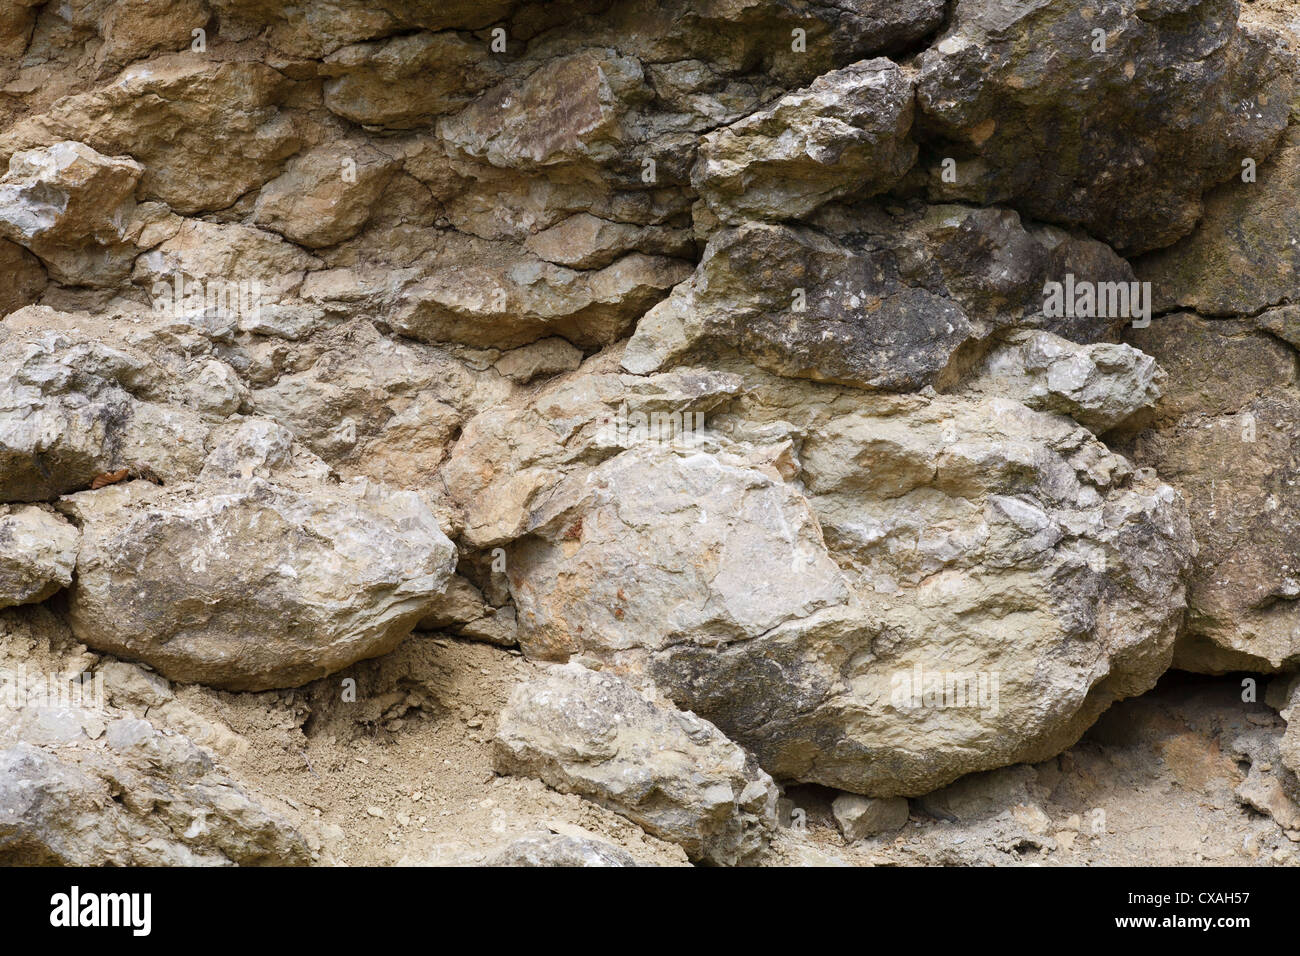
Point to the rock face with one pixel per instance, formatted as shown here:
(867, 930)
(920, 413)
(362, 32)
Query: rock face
(1036, 102)
(1243, 255)
(857, 394)
(1225, 434)
(182, 117)
(673, 773)
(260, 586)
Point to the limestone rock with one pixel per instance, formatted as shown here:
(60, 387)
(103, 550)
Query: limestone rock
(1225, 434)
(324, 196)
(133, 29)
(508, 301)
(845, 134)
(859, 817)
(670, 772)
(510, 459)
(405, 81)
(1243, 255)
(557, 849)
(1039, 118)
(213, 256)
(25, 277)
(542, 358)
(376, 406)
(182, 117)
(1100, 385)
(137, 796)
(945, 540)
(38, 550)
(567, 111)
(252, 585)
(584, 241)
(900, 302)
(73, 208)
(71, 409)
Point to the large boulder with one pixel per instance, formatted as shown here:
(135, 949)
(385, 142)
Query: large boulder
(246, 583)
(940, 546)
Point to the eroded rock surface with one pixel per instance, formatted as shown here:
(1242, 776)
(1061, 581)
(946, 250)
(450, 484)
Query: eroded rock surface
(671, 772)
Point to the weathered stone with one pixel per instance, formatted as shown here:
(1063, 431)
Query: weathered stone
(1244, 254)
(16, 22)
(183, 118)
(1100, 386)
(1039, 118)
(73, 208)
(585, 241)
(975, 538)
(859, 817)
(71, 410)
(252, 585)
(405, 81)
(900, 302)
(509, 459)
(38, 550)
(319, 29)
(569, 110)
(324, 196)
(557, 849)
(25, 277)
(133, 29)
(542, 358)
(207, 256)
(847, 134)
(386, 409)
(503, 300)
(1225, 434)
(670, 772)
(135, 797)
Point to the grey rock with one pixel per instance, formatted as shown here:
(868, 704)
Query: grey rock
(859, 817)
(1041, 121)
(670, 772)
